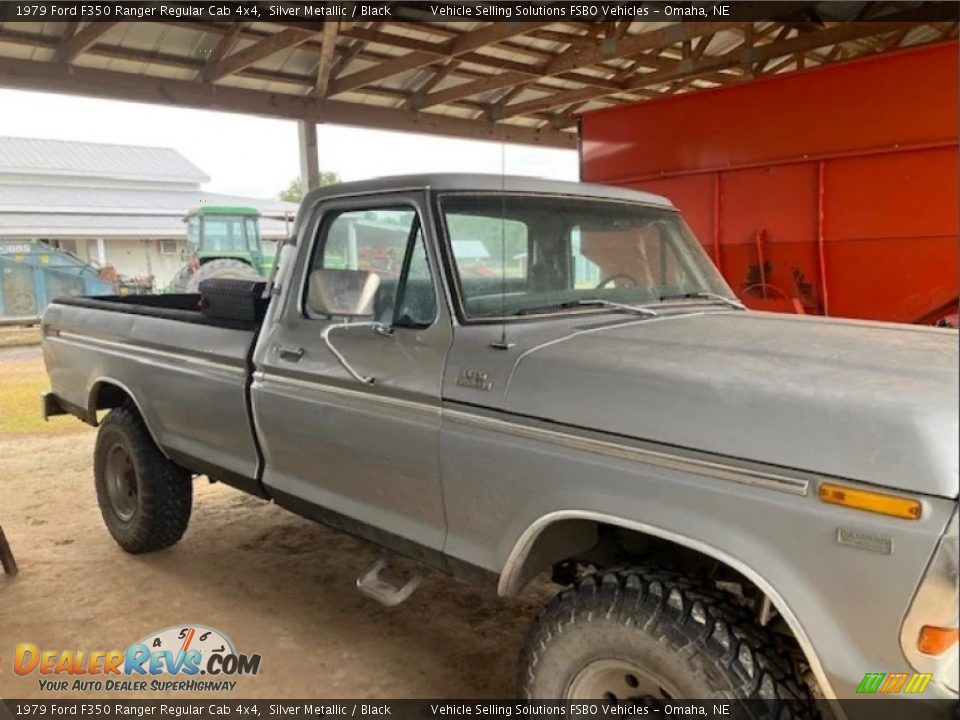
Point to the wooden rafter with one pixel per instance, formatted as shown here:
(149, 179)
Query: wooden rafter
(490, 77)
(738, 57)
(283, 40)
(254, 73)
(325, 62)
(341, 63)
(224, 46)
(579, 57)
(69, 30)
(439, 75)
(82, 40)
(454, 47)
(93, 82)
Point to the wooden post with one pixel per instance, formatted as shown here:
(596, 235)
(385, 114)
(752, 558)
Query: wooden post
(309, 160)
(6, 556)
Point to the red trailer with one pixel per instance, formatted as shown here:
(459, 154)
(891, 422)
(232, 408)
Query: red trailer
(831, 191)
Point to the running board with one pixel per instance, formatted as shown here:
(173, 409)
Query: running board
(384, 592)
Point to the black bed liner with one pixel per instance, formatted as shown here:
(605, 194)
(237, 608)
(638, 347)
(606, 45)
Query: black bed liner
(204, 308)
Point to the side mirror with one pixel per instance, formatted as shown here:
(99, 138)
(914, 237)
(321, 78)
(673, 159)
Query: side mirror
(348, 293)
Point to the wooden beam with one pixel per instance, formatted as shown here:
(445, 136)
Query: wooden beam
(738, 57)
(93, 82)
(578, 56)
(309, 158)
(296, 79)
(283, 40)
(83, 40)
(325, 63)
(455, 47)
(69, 30)
(438, 77)
(352, 52)
(223, 46)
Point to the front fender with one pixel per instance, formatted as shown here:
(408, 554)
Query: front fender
(844, 603)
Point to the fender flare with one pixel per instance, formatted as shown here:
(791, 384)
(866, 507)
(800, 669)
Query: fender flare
(511, 574)
(92, 407)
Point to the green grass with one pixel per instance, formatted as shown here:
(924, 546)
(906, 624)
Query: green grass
(21, 382)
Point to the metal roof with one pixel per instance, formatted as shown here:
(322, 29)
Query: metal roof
(113, 201)
(64, 158)
(510, 81)
(146, 227)
(63, 212)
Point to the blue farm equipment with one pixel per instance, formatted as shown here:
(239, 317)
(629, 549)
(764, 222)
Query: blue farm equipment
(32, 274)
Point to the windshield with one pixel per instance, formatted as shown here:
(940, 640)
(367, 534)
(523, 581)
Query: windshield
(525, 254)
(223, 234)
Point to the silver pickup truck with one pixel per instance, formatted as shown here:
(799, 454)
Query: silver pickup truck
(503, 378)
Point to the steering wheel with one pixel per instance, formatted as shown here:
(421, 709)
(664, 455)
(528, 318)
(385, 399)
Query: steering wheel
(618, 276)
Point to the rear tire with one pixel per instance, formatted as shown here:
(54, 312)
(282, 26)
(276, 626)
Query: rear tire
(639, 635)
(221, 268)
(145, 499)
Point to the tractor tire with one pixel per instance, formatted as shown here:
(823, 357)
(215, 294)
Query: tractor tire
(180, 281)
(652, 635)
(145, 499)
(221, 268)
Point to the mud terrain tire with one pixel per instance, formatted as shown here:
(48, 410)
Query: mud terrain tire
(655, 634)
(145, 499)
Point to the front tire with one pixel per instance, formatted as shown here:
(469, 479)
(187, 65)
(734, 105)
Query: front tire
(145, 499)
(639, 635)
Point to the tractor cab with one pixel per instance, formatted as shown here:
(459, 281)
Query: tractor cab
(224, 232)
(222, 242)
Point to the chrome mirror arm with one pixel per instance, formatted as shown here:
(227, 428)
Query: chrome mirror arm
(377, 327)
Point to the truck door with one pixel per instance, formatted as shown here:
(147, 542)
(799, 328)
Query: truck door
(361, 457)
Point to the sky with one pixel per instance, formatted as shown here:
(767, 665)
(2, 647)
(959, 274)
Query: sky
(257, 157)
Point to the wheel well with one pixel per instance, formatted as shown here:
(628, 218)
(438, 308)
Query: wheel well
(567, 546)
(105, 395)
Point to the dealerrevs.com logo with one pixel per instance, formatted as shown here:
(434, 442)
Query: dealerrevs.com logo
(181, 658)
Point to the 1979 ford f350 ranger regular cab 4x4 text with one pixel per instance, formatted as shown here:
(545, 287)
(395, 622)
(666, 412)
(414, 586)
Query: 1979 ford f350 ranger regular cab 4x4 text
(502, 377)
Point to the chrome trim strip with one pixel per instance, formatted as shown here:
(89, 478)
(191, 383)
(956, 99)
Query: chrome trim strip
(133, 350)
(716, 470)
(523, 546)
(720, 471)
(358, 395)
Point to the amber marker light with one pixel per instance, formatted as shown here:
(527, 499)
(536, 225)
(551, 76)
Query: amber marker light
(935, 640)
(871, 501)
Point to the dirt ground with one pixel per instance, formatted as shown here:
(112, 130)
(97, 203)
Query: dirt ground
(274, 583)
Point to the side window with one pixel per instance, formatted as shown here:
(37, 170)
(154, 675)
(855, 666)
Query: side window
(418, 300)
(380, 241)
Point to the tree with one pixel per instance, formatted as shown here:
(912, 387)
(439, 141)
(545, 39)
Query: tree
(294, 191)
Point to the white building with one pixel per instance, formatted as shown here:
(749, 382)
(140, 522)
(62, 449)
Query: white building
(118, 205)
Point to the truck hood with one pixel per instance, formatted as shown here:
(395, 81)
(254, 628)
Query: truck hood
(873, 402)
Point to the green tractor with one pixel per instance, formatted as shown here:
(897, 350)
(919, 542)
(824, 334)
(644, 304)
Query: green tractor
(222, 242)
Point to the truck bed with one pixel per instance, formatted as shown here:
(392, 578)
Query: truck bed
(194, 367)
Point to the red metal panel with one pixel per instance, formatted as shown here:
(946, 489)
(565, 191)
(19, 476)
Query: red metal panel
(904, 98)
(835, 189)
(900, 281)
(769, 230)
(893, 195)
(890, 229)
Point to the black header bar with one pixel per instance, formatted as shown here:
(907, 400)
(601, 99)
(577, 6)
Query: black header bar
(427, 10)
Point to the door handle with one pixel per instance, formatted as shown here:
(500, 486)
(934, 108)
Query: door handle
(293, 354)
